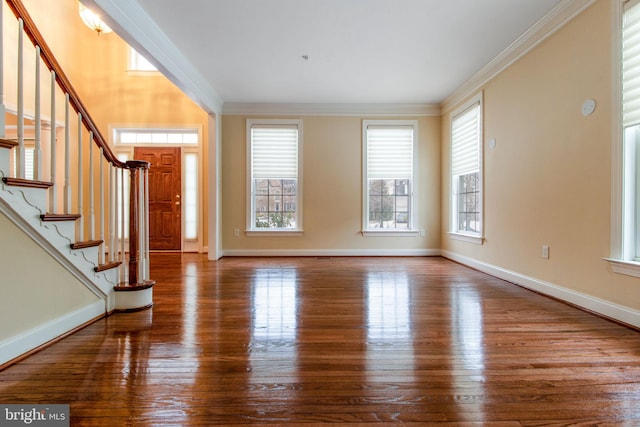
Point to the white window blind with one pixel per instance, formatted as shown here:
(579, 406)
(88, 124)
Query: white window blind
(465, 142)
(631, 65)
(389, 152)
(274, 152)
(29, 158)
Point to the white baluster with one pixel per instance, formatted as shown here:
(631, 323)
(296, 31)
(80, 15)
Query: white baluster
(112, 210)
(101, 207)
(145, 216)
(2, 108)
(92, 213)
(67, 158)
(116, 213)
(37, 152)
(53, 196)
(20, 113)
(80, 222)
(141, 226)
(124, 266)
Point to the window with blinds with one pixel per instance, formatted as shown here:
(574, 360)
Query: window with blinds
(390, 153)
(466, 189)
(631, 130)
(274, 164)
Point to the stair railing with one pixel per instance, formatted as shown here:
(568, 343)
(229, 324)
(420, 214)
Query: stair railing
(99, 177)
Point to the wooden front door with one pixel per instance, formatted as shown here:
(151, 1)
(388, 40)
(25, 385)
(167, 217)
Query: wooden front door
(165, 198)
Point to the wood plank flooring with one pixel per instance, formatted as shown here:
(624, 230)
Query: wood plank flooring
(361, 341)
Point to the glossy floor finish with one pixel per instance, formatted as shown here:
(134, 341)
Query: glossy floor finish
(368, 341)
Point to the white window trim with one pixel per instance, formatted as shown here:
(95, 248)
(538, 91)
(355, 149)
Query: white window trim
(279, 233)
(466, 238)
(413, 230)
(391, 233)
(616, 260)
(299, 230)
(475, 238)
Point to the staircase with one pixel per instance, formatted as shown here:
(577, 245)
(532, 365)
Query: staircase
(63, 187)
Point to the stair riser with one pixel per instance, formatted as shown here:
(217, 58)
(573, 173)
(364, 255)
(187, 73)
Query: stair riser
(89, 254)
(36, 197)
(59, 234)
(66, 229)
(134, 300)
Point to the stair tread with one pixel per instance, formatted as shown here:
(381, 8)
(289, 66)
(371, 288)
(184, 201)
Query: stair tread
(59, 217)
(128, 287)
(107, 266)
(7, 143)
(30, 183)
(86, 244)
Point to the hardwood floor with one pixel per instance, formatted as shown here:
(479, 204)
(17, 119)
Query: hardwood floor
(337, 340)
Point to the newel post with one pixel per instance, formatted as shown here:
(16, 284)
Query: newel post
(138, 216)
(137, 293)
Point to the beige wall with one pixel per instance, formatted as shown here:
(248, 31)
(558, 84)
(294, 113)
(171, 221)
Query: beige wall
(118, 98)
(97, 68)
(548, 180)
(332, 189)
(32, 297)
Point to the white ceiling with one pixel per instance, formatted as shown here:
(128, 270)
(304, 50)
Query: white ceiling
(359, 51)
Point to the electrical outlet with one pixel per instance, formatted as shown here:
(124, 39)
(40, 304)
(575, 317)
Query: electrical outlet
(236, 232)
(422, 233)
(545, 251)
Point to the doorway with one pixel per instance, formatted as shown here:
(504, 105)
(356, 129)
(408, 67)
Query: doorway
(165, 196)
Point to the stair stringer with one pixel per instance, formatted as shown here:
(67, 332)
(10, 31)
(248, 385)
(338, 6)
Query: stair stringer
(55, 238)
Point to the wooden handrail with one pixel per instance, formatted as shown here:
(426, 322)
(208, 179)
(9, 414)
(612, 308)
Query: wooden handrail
(138, 203)
(49, 59)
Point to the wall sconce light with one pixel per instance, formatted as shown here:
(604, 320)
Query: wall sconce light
(92, 20)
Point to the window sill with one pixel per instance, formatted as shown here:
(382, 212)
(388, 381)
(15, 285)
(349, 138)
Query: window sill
(477, 240)
(629, 268)
(390, 233)
(280, 233)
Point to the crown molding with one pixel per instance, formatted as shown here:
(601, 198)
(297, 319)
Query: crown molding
(130, 21)
(555, 19)
(329, 109)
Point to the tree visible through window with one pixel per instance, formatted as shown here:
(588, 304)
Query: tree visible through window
(389, 203)
(468, 203)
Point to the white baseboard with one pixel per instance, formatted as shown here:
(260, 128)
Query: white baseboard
(605, 308)
(16, 346)
(329, 252)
